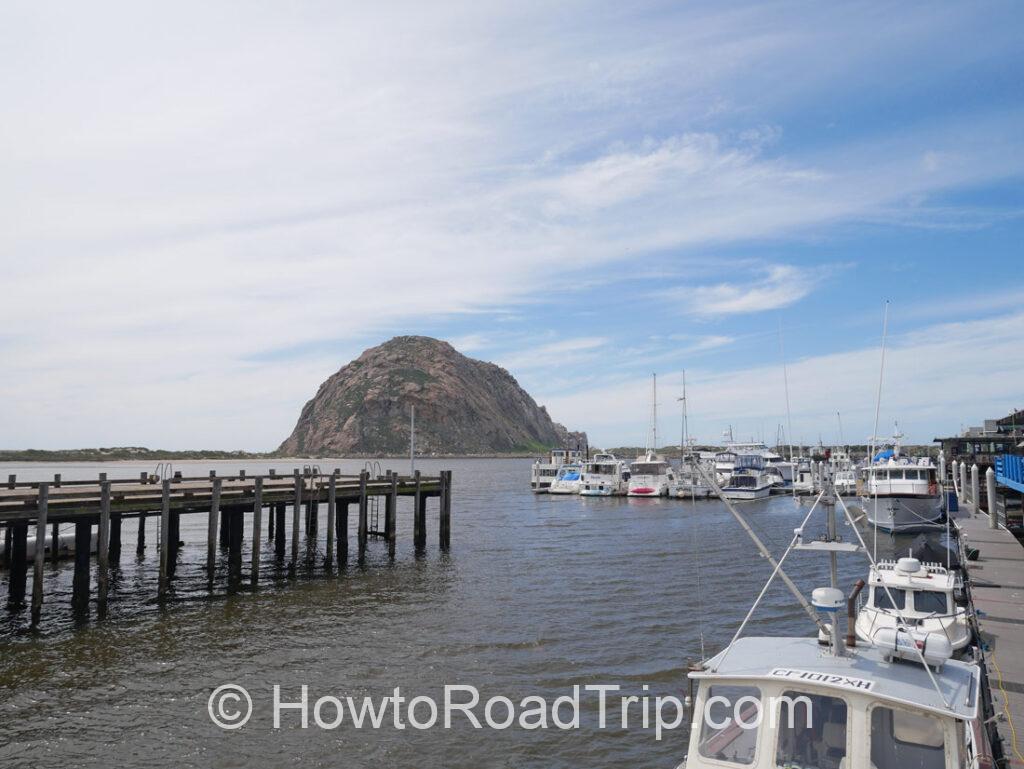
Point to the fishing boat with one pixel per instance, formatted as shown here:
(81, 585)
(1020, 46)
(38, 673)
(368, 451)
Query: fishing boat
(567, 480)
(604, 476)
(827, 702)
(925, 595)
(749, 478)
(546, 469)
(651, 476)
(901, 494)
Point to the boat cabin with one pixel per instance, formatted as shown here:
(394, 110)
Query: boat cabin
(895, 479)
(925, 595)
(783, 702)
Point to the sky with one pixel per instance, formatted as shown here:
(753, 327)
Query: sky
(208, 208)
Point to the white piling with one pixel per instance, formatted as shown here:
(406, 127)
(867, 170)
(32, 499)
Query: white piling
(975, 495)
(990, 487)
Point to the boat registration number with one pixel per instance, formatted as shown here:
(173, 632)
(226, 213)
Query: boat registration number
(829, 679)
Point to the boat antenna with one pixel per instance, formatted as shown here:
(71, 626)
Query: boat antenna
(686, 437)
(842, 440)
(874, 432)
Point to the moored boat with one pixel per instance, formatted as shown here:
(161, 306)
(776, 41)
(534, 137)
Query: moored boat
(604, 476)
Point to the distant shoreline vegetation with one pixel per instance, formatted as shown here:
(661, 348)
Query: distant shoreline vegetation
(141, 454)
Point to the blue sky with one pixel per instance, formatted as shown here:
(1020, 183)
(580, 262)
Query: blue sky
(211, 209)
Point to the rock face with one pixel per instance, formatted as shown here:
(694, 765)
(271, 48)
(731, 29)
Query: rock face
(463, 406)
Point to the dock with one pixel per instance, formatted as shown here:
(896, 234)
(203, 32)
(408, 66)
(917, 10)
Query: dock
(40, 507)
(996, 584)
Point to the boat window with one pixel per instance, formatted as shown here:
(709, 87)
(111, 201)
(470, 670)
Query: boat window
(882, 598)
(930, 600)
(812, 731)
(648, 468)
(900, 738)
(722, 736)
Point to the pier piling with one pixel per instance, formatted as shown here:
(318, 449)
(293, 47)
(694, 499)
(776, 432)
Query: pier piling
(18, 572)
(115, 538)
(295, 520)
(211, 531)
(419, 514)
(332, 514)
(446, 509)
(165, 530)
(80, 581)
(280, 511)
(140, 545)
(257, 518)
(103, 547)
(391, 515)
(40, 554)
(363, 478)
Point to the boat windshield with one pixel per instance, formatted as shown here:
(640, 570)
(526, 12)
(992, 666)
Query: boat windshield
(882, 598)
(932, 601)
(569, 474)
(649, 468)
(726, 734)
(902, 738)
(812, 731)
(601, 469)
(743, 482)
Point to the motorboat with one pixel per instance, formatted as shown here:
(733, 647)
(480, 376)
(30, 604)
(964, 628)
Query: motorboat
(927, 597)
(567, 480)
(690, 481)
(546, 469)
(749, 479)
(651, 476)
(604, 476)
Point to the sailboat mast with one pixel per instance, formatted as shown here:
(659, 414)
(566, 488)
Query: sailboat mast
(654, 412)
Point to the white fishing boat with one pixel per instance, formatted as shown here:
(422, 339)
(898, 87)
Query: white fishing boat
(749, 478)
(651, 476)
(829, 702)
(901, 494)
(567, 480)
(604, 476)
(924, 595)
(545, 470)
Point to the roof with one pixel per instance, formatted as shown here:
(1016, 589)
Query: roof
(905, 682)
(929, 577)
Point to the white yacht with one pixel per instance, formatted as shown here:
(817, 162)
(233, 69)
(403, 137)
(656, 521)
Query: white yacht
(567, 481)
(604, 476)
(749, 479)
(651, 476)
(901, 494)
(724, 463)
(923, 595)
(544, 470)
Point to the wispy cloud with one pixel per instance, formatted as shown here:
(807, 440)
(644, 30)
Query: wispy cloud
(770, 288)
(552, 354)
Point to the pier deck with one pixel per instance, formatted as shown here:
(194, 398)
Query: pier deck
(224, 501)
(997, 590)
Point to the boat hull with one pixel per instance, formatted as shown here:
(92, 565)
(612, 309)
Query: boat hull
(743, 493)
(903, 515)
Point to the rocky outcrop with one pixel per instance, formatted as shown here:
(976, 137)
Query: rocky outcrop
(463, 406)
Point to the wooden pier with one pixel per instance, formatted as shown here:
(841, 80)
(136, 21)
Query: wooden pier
(105, 504)
(996, 583)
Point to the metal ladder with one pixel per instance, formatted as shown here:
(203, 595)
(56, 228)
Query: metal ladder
(373, 502)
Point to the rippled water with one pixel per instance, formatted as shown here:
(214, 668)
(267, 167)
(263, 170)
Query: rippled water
(538, 593)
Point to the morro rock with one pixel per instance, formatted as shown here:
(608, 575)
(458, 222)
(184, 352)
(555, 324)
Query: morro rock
(463, 406)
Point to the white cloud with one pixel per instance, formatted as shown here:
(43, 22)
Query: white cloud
(778, 286)
(553, 354)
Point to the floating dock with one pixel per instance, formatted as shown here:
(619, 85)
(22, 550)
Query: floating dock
(225, 501)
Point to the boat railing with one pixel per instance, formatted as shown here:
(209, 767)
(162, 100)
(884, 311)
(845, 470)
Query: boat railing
(930, 568)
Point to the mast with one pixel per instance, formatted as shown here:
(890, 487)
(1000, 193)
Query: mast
(654, 413)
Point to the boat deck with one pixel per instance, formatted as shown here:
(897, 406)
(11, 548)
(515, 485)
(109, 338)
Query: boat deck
(997, 589)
